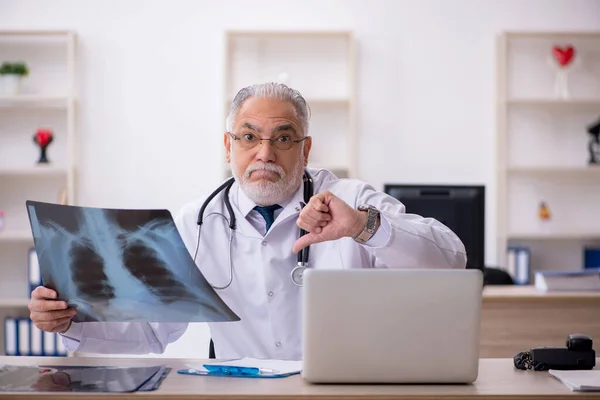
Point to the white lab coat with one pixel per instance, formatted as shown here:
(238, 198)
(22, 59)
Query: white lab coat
(262, 293)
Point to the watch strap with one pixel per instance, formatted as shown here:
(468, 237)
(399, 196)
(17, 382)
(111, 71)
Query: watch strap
(371, 225)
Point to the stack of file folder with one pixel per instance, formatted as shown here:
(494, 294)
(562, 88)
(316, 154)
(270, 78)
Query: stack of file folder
(21, 336)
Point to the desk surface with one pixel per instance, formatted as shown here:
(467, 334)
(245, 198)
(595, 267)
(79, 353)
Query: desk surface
(497, 379)
(528, 292)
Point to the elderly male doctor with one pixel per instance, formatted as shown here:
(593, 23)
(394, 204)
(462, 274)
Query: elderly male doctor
(349, 225)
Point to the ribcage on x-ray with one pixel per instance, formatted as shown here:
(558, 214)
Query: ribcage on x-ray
(142, 262)
(89, 276)
(145, 264)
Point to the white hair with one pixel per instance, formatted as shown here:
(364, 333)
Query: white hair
(272, 90)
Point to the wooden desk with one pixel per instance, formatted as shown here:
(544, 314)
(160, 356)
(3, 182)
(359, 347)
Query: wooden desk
(497, 379)
(517, 318)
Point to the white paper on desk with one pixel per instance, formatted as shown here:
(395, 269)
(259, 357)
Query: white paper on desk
(281, 366)
(579, 380)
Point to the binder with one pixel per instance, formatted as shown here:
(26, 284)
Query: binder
(519, 264)
(591, 257)
(61, 351)
(23, 337)
(33, 271)
(36, 340)
(49, 343)
(510, 265)
(10, 336)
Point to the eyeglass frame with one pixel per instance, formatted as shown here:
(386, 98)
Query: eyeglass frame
(271, 141)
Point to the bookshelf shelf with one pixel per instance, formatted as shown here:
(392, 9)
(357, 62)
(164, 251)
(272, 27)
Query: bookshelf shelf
(316, 101)
(34, 171)
(541, 102)
(14, 302)
(15, 236)
(554, 236)
(34, 101)
(555, 170)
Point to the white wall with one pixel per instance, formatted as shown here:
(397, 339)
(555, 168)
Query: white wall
(151, 87)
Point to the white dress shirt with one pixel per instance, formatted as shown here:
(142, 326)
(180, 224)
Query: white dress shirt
(262, 293)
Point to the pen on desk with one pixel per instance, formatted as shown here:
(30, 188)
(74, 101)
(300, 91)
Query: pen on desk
(234, 370)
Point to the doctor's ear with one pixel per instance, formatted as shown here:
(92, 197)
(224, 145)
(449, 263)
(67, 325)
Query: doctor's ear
(227, 143)
(307, 147)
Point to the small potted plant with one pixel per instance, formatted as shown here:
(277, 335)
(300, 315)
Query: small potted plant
(10, 77)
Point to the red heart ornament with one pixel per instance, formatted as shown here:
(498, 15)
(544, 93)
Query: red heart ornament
(43, 136)
(564, 56)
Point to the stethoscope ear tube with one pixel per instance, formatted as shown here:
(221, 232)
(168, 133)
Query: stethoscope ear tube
(227, 185)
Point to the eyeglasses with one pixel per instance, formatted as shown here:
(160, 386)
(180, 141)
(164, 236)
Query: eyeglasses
(283, 142)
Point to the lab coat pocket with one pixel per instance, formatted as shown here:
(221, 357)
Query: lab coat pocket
(326, 255)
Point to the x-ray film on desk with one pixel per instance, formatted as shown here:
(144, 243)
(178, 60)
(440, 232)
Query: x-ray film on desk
(121, 265)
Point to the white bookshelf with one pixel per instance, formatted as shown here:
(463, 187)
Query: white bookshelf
(8, 303)
(542, 153)
(321, 65)
(47, 99)
(20, 101)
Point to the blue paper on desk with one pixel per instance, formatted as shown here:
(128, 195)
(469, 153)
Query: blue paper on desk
(245, 368)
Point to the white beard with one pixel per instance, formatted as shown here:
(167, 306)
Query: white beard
(264, 192)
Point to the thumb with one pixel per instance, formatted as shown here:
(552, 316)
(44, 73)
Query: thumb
(304, 241)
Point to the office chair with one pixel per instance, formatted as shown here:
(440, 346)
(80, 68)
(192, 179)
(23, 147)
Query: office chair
(496, 276)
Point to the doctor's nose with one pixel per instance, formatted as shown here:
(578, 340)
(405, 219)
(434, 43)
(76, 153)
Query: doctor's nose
(265, 151)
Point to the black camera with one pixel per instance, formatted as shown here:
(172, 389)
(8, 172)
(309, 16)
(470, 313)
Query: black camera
(578, 354)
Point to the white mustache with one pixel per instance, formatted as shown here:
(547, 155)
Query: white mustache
(264, 167)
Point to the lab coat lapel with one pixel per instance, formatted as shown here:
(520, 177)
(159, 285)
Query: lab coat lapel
(244, 227)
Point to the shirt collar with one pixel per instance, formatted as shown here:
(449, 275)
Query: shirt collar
(245, 204)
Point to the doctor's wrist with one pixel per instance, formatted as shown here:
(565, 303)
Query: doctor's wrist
(66, 328)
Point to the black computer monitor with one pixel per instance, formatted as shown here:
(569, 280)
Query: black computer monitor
(460, 208)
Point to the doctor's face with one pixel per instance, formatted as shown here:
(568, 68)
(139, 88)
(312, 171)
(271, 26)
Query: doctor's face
(269, 173)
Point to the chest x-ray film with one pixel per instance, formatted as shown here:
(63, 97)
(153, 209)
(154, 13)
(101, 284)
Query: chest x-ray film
(121, 265)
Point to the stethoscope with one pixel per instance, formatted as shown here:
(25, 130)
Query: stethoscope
(297, 273)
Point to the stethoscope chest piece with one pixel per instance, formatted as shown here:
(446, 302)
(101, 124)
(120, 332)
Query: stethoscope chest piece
(298, 275)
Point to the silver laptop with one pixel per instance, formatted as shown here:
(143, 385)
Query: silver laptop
(391, 325)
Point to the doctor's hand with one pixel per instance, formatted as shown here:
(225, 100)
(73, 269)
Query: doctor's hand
(47, 314)
(327, 217)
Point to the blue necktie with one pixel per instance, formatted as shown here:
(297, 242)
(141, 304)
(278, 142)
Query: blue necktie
(268, 213)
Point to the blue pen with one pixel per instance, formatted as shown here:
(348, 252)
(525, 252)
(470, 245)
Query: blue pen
(233, 370)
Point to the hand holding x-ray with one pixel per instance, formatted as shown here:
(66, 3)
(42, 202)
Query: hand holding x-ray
(49, 314)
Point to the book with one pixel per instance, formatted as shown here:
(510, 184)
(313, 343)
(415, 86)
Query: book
(579, 380)
(581, 280)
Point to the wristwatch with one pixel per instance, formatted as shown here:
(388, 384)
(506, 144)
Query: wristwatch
(371, 225)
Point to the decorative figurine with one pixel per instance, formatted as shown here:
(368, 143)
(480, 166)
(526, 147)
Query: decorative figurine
(564, 58)
(594, 144)
(544, 211)
(43, 138)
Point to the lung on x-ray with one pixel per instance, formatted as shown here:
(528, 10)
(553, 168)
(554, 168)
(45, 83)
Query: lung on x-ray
(121, 265)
